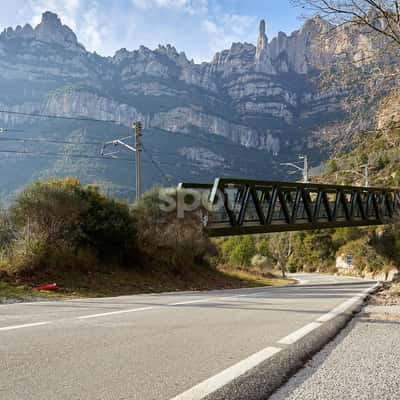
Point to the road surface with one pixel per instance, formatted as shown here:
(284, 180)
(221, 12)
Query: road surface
(154, 347)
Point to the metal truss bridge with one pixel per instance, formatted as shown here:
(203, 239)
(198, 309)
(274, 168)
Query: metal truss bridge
(237, 207)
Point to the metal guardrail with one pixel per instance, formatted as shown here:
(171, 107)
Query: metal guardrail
(238, 206)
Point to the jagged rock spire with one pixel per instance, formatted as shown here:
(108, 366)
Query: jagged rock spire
(263, 59)
(50, 30)
(262, 41)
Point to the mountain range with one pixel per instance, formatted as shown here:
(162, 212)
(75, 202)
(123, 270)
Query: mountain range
(242, 114)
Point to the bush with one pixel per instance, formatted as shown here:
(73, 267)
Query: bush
(331, 166)
(365, 256)
(167, 239)
(60, 223)
(7, 230)
(261, 263)
(243, 252)
(108, 226)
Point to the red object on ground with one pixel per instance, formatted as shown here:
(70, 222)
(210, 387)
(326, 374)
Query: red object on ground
(50, 287)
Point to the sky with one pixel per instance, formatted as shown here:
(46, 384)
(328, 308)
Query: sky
(200, 28)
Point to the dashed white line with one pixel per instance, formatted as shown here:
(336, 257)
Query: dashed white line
(181, 303)
(115, 313)
(13, 327)
(216, 382)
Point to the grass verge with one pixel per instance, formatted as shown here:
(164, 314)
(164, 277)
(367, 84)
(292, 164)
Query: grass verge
(123, 281)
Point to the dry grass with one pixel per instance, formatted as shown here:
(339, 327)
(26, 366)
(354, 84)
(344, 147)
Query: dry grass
(126, 281)
(15, 292)
(257, 279)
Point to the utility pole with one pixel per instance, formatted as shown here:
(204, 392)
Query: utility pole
(365, 175)
(138, 145)
(304, 169)
(137, 127)
(366, 168)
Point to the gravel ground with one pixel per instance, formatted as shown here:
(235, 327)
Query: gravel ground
(363, 362)
(389, 295)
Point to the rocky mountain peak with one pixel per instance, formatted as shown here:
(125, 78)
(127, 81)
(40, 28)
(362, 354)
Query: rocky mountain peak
(51, 30)
(262, 39)
(263, 56)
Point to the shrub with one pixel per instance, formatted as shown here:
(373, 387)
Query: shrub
(7, 230)
(108, 226)
(227, 247)
(243, 252)
(261, 263)
(365, 256)
(263, 248)
(50, 209)
(331, 166)
(61, 223)
(167, 239)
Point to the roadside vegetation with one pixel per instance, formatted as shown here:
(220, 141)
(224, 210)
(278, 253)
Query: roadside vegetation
(91, 245)
(374, 251)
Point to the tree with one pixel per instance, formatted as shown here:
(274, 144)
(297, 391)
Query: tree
(379, 17)
(331, 166)
(365, 77)
(280, 247)
(243, 252)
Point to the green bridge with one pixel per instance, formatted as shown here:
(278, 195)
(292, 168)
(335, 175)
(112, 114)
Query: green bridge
(238, 206)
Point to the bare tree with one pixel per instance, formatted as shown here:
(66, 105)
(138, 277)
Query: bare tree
(381, 17)
(280, 247)
(364, 78)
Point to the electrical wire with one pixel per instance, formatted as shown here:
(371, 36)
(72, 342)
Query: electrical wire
(42, 140)
(64, 117)
(83, 156)
(157, 166)
(51, 154)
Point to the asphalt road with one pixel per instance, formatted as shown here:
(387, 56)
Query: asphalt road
(153, 347)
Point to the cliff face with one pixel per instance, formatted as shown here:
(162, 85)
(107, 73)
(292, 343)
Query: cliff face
(259, 96)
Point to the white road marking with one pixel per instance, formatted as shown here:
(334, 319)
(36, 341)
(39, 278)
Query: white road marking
(297, 335)
(10, 328)
(339, 309)
(189, 302)
(115, 313)
(216, 382)
(358, 298)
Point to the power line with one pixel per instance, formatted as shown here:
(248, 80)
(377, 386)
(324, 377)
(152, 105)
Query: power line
(51, 154)
(38, 115)
(164, 176)
(198, 138)
(43, 140)
(83, 156)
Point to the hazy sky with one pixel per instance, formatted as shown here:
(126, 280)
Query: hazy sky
(198, 27)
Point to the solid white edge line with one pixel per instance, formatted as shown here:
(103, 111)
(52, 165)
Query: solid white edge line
(297, 335)
(216, 382)
(340, 309)
(12, 327)
(115, 313)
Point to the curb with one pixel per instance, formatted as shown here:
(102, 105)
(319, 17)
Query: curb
(260, 382)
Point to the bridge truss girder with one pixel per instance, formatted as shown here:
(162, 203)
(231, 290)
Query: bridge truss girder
(238, 207)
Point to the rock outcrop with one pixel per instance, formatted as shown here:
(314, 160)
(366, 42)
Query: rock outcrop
(50, 30)
(256, 96)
